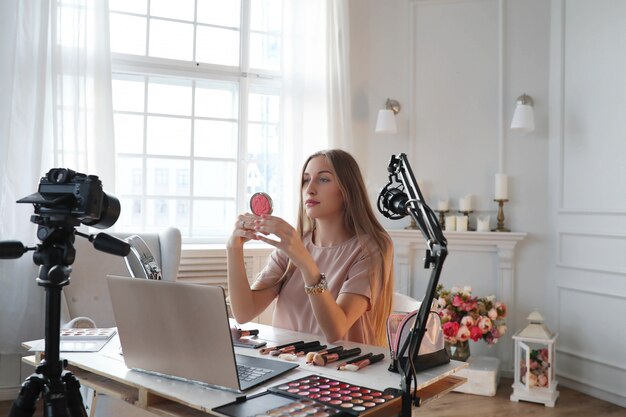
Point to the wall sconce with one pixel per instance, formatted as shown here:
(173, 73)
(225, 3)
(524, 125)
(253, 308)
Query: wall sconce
(524, 115)
(386, 121)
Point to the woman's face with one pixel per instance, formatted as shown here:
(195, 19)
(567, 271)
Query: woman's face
(321, 195)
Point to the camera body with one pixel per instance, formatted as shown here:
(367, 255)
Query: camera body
(63, 192)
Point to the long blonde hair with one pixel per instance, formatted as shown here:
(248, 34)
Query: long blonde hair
(359, 220)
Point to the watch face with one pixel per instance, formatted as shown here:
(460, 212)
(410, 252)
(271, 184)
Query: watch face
(260, 204)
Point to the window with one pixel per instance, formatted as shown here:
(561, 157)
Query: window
(197, 100)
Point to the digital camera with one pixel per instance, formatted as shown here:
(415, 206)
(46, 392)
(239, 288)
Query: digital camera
(63, 192)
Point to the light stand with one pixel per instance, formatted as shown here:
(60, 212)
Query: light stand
(402, 196)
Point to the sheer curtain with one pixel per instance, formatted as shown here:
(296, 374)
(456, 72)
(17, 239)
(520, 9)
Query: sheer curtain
(60, 115)
(316, 86)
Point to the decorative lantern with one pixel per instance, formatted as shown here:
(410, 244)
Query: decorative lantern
(535, 363)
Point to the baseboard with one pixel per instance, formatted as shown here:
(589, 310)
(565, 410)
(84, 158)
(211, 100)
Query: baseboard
(603, 395)
(9, 393)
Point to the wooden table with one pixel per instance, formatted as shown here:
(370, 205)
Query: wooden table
(106, 373)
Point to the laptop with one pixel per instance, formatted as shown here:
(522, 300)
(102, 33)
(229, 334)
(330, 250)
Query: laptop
(182, 330)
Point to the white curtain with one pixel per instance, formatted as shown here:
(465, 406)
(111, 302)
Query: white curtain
(59, 115)
(316, 98)
(338, 73)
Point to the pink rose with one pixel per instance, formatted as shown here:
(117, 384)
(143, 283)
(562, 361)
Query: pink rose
(468, 321)
(441, 302)
(501, 307)
(543, 355)
(542, 380)
(493, 314)
(534, 364)
(457, 301)
(463, 334)
(485, 324)
(450, 328)
(475, 333)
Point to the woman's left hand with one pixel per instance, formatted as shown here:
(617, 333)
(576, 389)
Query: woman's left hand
(289, 241)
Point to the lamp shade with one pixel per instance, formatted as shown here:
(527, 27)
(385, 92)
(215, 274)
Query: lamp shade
(386, 122)
(523, 118)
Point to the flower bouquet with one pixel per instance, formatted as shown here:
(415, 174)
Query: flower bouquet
(539, 369)
(465, 317)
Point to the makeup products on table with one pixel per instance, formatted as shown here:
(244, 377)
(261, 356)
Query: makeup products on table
(317, 396)
(293, 348)
(355, 366)
(349, 398)
(269, 349)
(323, 360)
(251, 332)
(293, 356)
(353, 360)
(311, 355)
(261, 203)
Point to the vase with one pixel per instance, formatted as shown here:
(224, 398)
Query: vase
(459, 351)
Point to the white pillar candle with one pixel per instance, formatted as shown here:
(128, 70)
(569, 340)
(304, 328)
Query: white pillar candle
(502, 189)
(443, 205)
(450, 223)
(482, 224)
(461, 223)
(465, 203)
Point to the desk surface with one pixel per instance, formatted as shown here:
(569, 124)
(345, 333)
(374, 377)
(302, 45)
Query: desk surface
(106, 372)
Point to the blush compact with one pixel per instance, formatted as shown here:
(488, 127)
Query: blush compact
(261, 203)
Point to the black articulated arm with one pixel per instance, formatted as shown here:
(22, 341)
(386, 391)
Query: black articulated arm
(399, 198)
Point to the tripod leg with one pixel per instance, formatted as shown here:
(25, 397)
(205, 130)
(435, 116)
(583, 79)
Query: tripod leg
(26, 401)
(75, 404)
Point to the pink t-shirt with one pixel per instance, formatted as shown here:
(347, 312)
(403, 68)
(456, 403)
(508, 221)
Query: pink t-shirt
(349, 268)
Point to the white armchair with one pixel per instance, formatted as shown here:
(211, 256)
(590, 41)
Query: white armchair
(85, 301)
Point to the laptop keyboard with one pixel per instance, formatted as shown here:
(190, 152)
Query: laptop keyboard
(250, 373)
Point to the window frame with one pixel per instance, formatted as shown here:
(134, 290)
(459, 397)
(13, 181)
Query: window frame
(248, 79)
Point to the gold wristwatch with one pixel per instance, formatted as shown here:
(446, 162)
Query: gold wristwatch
(318, 288)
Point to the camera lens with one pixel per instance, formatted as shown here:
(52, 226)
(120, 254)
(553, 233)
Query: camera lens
(109, 213)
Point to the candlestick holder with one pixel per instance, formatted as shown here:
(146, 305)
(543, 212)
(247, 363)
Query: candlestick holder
(442, 218)
(500, 226)
(467, 213)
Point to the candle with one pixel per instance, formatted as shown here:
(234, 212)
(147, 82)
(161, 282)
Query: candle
(461, 223)
(465, 203)
(450, 223)
(482, 224)
(442, 205)
(502, 192)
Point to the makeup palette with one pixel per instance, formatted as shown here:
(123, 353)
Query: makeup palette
(261, 203)
(317, 396)
(349, 398)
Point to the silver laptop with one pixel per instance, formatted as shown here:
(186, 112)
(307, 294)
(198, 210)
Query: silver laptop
(183, 330)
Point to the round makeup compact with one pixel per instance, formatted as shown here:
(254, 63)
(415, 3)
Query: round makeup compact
(260, 204)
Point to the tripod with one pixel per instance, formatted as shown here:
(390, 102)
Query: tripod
(59, 388)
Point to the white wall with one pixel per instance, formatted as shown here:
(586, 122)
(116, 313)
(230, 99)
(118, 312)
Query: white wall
(457, 68)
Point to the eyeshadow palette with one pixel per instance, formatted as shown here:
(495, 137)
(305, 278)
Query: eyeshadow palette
(317, 396)
(348, 398)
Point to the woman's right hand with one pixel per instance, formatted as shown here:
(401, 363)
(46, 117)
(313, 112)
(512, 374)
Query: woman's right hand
(243, 230)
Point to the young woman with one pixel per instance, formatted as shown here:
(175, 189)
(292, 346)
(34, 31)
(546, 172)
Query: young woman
(333, 273)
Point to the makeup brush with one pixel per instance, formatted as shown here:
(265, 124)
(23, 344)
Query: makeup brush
(363, 363)
(322, 360)
(310, 355)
